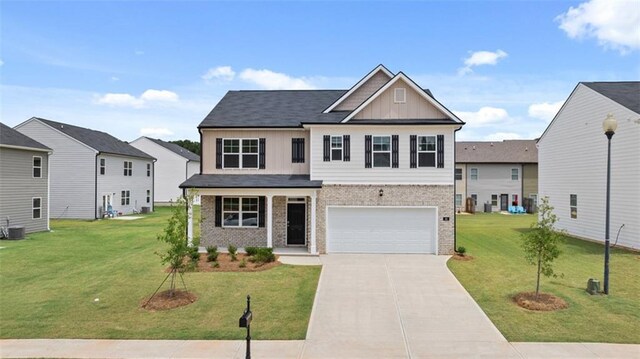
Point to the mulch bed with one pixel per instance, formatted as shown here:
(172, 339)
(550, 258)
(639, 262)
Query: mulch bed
(162, 300)
(545, 302)
(463, 258)
(226, 265)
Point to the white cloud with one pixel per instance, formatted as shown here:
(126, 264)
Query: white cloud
(114, 78)
(480, 58)
(499, 136)
(484, 116)
(224, 73)
(270, 80)
(127, 100)
(155, 132)
(545, 110)
(614, 23)
(139, 52)
(1, 62)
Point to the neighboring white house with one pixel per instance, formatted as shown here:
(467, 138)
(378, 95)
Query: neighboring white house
(174, 165)
(573, 162)
(24, 181)
(92, 170)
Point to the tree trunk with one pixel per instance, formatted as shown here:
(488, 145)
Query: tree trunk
(172, 288)
(538, 279)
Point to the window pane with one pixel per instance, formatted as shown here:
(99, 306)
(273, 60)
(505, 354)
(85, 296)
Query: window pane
(231, 161)
(250, 204)
(37, 161)
(231, 219)
(36, 202)
(381, 143)
(336, 142)
(249, 161)
(459, 174)
(37, 172)
(381, 160)
(336, 155)
(249, 146)
(426, 143)
(36, 213)
(231, 146)
(231, 204)
(458, 200)
(249, 219)
(426, 159)
(573, 200)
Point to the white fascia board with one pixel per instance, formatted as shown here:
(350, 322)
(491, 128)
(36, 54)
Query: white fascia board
(26, 148)
(411, 84)
(357, 86)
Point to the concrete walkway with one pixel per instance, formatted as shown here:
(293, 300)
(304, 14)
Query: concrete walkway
(367, 306)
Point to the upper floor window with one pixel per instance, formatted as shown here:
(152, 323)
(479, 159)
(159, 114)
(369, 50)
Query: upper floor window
(336, 148)
(103, 166)
(458, 174)
(37, 167)
(474, 174)
(573, 204)
(514, 174)
(240, 153)
(426, 151)
(240, 212)
(400, 95)
(297, 150)
(128, 168)
(148, 169)
(36, 207)
(381, 151)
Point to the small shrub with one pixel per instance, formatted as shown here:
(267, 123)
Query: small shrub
(215, 264)
(251, 251)
(243, 263)
(263, 255)
(233, 250)
(212, 257)
(461, 250)
(212, 249)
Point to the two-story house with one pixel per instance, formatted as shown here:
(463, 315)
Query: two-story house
(92, 171)
(24, 181)
(501, 173)
(174, 165)
(369, 169)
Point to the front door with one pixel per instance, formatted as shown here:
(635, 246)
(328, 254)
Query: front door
(296, 226)
(504, 202)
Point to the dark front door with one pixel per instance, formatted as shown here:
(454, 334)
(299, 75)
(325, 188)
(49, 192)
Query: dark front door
(296, 223)
(504, 202)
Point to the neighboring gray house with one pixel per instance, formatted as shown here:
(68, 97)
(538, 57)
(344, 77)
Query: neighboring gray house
(365, 170)
(174, 165)
(91, 170)
(573, 162)
(501, 173)
(24, 181)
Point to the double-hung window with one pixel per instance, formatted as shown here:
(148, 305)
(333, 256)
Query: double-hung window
(125, 198)
(381, 151)
(474, 174)
(37, 167)
(494, 200)
(458, 174)
(336, 148)
(573, 204)
(103, 166)
(458, 200)
(514, 174)
(240, 153)
(474, 197)
(148, 169)
(36, 208)
(426, 151)
(240, 212)
(148, 196)
(128, 168)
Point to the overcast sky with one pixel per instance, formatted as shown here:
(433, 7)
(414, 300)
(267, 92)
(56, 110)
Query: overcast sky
(158, 68)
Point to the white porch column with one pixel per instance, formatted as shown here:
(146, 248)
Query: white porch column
(190, 224)
(269, 215)
(313, 248)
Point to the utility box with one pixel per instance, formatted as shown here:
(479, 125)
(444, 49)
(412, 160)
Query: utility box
(145, 210)
(593, 286)
(487, 207)
(16, 232)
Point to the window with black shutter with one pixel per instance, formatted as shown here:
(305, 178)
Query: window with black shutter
(440, 151)
(218, 153)
(426, 151)
(413, 151)
(218, 211)
(261, 211)
(263, 145)
(367, 151)
(297, 150)
(346, 142)
(326, 148)
(394, 151)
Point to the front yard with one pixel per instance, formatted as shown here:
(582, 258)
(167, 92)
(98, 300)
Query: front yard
(49, 283)
(499, 271)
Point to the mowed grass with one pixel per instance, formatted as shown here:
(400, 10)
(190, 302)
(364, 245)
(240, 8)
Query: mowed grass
(48, 284)
(499, 271)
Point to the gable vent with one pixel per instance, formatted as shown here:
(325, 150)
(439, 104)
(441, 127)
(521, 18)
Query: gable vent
(399, 95)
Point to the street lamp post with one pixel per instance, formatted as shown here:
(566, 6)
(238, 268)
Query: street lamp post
(609, 126)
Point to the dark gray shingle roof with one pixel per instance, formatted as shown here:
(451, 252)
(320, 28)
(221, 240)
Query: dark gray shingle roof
(11, 137)
(626, 93)
(179, 150)
(97, 140)
(508, 151)
(250, 181)
(282, 108)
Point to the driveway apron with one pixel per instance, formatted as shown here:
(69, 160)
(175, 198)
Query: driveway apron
(397, 306)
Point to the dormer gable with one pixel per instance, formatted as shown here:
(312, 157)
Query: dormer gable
(362, 90)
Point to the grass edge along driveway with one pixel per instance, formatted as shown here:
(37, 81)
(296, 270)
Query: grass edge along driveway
(49, 283)
(499, 271)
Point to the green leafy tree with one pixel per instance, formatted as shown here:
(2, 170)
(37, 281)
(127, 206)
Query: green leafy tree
(193, 146)
(541, 243)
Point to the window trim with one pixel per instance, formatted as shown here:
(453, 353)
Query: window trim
(517, 174)
(471, 174)
(573, 207)
(402, 90)
(475, 199)
(148, 196)
(33, 167)
(455, 174)
(128, 171)
(497, 200)
(241, 153)
(240, 212)
(33, 208)
(435, 151)
(458, 196)
(331, 148)
(373, 151)
(125, 197)
(103, 166)
(148, 170)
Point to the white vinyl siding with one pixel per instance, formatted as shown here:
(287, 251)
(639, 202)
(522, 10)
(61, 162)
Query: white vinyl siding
(113, 183)
(495, 179)
(354, 171)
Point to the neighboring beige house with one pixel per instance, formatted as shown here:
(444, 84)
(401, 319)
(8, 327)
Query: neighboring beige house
(368, 170)
(501, 173)
(573, 162)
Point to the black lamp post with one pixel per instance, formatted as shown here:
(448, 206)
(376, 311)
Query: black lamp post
(609, 126)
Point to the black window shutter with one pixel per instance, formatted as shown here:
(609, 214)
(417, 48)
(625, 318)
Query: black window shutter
(346, 151)
(261, 210)
(440, 152)
(413, 151)
(367, 151)
(326, 145)
(394, 151)
(261, 150)
(294, 150)
(218, 212)
(218, 152)
(301, 147)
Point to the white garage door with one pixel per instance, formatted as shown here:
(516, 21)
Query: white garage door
(381, 230)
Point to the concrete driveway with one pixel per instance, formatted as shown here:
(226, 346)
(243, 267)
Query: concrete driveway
(397, 306)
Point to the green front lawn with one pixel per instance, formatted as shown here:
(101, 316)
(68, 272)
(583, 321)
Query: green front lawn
(499, 271)
(49, 281)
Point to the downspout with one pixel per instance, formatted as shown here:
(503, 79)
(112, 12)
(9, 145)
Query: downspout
(201, 145)
(455, 221)
(48, 190)
(95, 195)
(153, 185)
